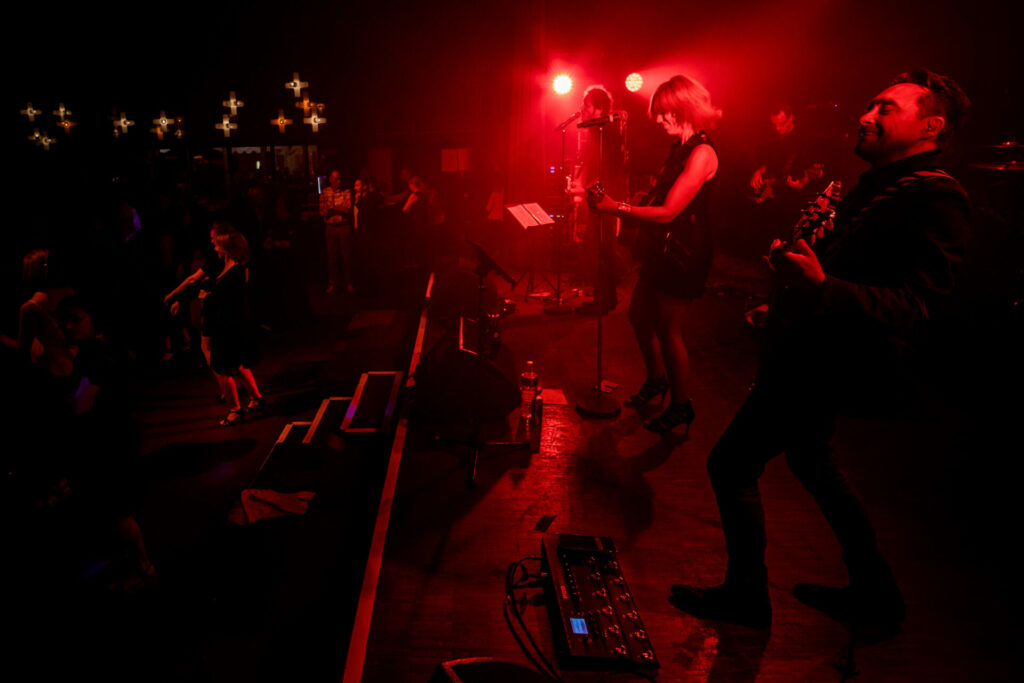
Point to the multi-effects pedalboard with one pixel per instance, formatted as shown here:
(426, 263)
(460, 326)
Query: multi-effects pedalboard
(595, 622)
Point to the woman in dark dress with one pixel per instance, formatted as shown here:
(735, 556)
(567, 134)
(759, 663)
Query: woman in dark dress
(228, 323)
(197, 285)
(673, 246)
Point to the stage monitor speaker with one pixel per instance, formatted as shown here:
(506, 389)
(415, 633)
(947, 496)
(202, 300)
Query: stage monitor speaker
(452, 381)
(456, 292)
(484, 670)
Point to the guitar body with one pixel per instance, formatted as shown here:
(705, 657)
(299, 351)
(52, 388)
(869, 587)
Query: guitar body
(666, 251)
(631, 234)
(675, 257)
(764, 193)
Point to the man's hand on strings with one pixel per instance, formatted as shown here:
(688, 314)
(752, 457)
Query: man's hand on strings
(757, 180)
(797, 268)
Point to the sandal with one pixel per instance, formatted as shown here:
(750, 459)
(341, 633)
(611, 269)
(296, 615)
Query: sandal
(255, 405)
(652, 387)
(232, 418)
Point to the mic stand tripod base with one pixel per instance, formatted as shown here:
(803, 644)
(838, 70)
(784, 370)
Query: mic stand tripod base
(599, 405)
(557, 308)
(527, 437)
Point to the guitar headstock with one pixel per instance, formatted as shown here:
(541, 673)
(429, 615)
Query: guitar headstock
(817, 218)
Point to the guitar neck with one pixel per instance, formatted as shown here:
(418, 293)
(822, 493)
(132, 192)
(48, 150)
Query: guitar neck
(816, 219)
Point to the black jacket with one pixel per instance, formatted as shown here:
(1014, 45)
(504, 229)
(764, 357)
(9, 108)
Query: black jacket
(899, 236)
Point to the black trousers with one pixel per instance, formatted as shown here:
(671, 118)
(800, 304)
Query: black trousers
(779, 418)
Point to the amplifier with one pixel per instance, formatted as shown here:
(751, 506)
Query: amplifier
(595, 622)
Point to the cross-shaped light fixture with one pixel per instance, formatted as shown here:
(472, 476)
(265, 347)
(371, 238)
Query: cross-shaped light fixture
(121, 123)
(233, 103)
(280, 121)
(315, 121)
(226, 126)
(30, 112)
(295, 85)
(162, 122)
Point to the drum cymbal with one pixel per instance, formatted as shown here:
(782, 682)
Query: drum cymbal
(1007, 166)
(1008, 144)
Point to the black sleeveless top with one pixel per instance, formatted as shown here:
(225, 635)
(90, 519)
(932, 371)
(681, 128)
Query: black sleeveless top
(675, 257)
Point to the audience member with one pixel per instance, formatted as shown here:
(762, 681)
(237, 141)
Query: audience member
(106, 483)
(40, 339)
(197, 286)
(227, 321)
(336, 210)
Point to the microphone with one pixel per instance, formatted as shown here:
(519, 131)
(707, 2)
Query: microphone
(569, 120)
(612, 117)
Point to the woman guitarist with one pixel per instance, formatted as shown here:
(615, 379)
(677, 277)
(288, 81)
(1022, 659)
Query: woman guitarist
(674, 246)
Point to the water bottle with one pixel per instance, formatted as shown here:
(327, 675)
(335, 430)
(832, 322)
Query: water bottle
(529, 386)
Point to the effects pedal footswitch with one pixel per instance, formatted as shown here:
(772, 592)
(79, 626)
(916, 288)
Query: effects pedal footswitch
(594, 620)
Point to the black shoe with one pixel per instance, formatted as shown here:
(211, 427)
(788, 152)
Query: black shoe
(651, 388)
(879, 610)
(675, 415)
(733, 603)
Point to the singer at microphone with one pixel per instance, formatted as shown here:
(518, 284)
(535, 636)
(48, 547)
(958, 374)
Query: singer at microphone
(601, 153)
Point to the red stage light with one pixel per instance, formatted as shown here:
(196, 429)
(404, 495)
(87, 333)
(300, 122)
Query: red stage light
(562, 84)
(634, 82)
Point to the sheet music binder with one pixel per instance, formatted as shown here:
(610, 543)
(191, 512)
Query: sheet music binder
(529, 215)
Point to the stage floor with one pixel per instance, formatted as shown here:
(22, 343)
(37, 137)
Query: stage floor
(449, 544)
(276, 601)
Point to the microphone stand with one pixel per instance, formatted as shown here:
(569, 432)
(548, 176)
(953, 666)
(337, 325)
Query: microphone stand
(599, 404)
(558, 306)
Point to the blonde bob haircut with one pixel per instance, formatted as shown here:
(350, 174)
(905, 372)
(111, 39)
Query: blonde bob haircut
(235, 244)
(688, 100)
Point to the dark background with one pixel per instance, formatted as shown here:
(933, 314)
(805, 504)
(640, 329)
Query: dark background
(421, 77)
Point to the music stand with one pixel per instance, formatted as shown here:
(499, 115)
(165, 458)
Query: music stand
(528, 216)
(599, 404)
